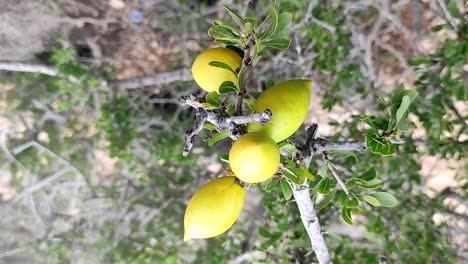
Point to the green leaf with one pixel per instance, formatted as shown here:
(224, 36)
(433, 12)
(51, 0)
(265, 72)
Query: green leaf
(369, 175)
(350, 184)
(287, 192)
(236, 50)
(343, 154)
(402, 110)
(346, 216)
(270, 184)
(351, 202)
(248, 102)
(290, 148)
(273, 15)
(227, 87)
(437, 28)
(385, 199)
(282, 29)
(371, 200)
(263, 231)
(222, 65)
(209, 106)
(376, 122)
(323, 170)
(255, 94)
(252, 21)
(213, 99)
(415, 61)
(224, 33)
(307, 173)
(325, 201)
(278, 43)
(297, 179)
(324, 186)
(217, 137)
(269, 83)
(224, 158)
(209, 126)
(373, 184)
(240, 78)
(256, 59)
(234, 14)
(378, 144)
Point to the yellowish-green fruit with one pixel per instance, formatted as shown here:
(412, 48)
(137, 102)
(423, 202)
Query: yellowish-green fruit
(254, 157)
(208, 77)
(289, 103)
(214, 208)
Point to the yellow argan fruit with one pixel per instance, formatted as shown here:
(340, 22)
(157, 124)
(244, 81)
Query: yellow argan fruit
(289, 103)
(214, 208)
(208, 77)
(254, 157)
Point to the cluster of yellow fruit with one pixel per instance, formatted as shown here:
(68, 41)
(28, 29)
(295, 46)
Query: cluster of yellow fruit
(254, 157)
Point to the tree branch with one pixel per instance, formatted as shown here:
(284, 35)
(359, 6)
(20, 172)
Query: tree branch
(156, 79)
(125, 84)
(311, 223)
(220, 119)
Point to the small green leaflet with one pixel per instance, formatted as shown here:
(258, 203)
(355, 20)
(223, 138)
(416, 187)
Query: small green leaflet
(372, 184)
(255, 94)
(307, 173)
(324, 186)
(376, 122)
(218, 137)
(213, 99)
(227, 87)
(290, 148)
(343, 153)
(234, 14)
(221, 65)
(282, 29)
(270, 184)
(351, 202)
(369, 175)
(209, 126)
(287, 192)
(378, 144)
(297, 179)
(323, 170)
(346, 216)
(278, 43)
(273, 15)
(224, 158)
(371, 200)
(326, 200)
(263, 231)
(385, 199)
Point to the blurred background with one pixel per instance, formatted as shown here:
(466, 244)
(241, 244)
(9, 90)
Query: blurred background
(91, 130)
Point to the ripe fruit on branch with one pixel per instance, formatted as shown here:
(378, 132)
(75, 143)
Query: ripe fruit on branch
(289, 103)
(214, 208)
(208, 77)
(254, 157)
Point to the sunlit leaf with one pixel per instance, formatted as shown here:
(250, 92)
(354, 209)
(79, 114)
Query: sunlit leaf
(217, 137)
(346, 215)
(287, 192)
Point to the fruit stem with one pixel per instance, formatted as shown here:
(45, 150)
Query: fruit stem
(241, 183)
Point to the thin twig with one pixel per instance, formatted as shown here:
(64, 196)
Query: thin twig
(335, 174)
(246, 62)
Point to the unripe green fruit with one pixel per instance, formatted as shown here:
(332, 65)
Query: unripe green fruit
(254, 157)
(214, 208)
(289, 103)
(208, 77)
